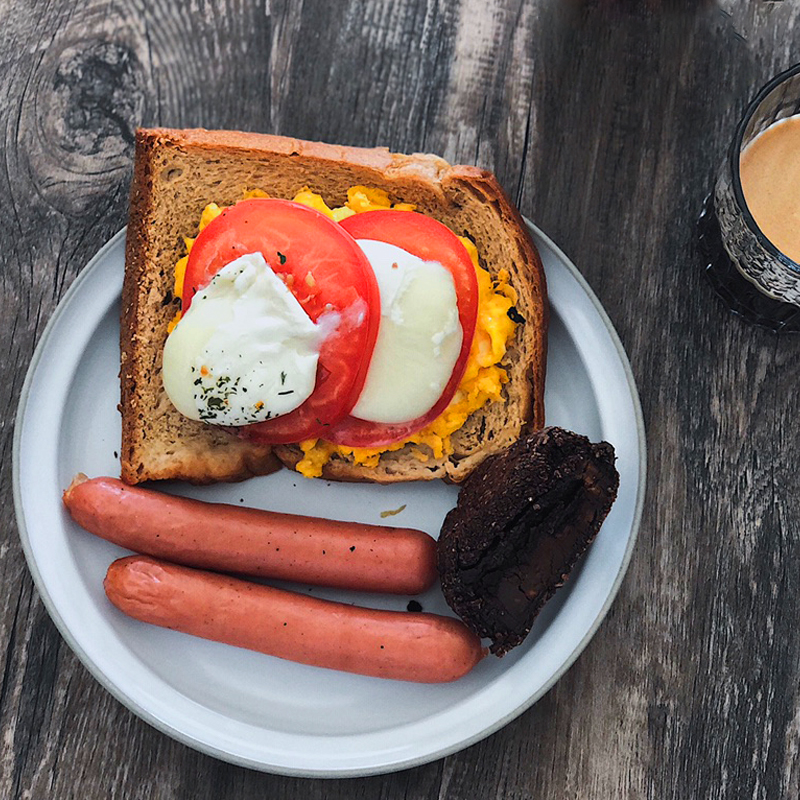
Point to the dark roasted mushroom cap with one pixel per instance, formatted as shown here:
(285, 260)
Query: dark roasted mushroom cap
(522, 521)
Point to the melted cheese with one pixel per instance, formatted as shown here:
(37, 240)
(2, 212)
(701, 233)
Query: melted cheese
(484, 377)
(419, 340)
(483, 382)
(245, 351)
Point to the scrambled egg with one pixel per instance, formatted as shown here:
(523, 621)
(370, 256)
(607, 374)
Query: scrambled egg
(483, 378)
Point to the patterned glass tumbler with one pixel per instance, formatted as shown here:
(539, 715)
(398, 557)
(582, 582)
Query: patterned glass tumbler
(752, 276)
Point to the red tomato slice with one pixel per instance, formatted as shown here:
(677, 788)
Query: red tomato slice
(430, 240)
(326, 271)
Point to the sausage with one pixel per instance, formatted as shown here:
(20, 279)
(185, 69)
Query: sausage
(421, 647)
(248, 541)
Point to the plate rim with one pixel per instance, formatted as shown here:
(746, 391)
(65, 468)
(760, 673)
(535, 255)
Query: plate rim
(163, 725)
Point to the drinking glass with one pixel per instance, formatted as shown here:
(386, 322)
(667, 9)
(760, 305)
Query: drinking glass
(754, 278)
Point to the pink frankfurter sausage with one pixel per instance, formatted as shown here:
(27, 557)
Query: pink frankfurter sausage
(426, 648)
(227, 538)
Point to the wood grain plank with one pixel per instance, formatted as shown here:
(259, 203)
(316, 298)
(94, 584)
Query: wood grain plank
(94, 74)
(663, 141)
(78, 79)
(606, 122)
(45, 240)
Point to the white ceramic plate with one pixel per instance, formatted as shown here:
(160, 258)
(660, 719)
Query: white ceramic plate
(259, 711)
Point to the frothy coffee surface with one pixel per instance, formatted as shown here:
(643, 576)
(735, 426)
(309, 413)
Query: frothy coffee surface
(770, 175)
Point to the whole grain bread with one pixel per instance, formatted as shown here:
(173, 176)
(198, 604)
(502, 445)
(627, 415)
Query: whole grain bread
(523, 520)
(178, 172)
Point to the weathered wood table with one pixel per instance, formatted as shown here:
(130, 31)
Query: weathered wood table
(605, 121)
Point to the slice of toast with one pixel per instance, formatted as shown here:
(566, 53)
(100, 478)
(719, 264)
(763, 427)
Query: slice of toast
(177, 172)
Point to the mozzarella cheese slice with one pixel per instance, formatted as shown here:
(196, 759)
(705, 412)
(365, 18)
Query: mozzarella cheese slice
(419, 339)
(245, 351)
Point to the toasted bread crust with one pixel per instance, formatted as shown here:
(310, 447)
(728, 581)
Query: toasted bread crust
(215, 456)
(177, 172)
(136, 248)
